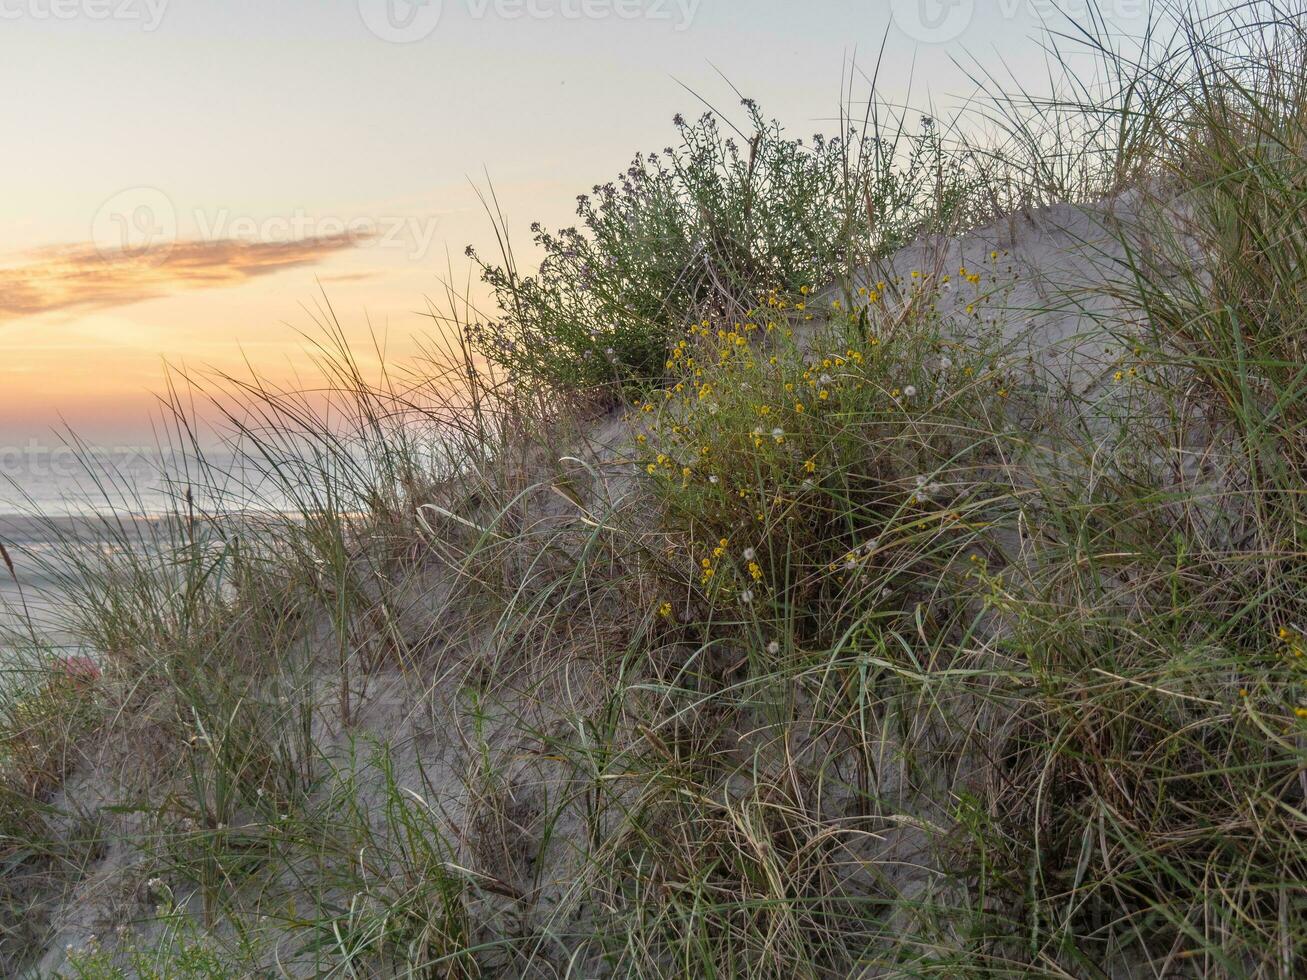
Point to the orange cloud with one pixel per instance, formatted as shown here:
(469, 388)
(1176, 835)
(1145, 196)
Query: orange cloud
(82, 276)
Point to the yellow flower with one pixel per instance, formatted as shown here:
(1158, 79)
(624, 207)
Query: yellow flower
(810, 466)
(665, 610)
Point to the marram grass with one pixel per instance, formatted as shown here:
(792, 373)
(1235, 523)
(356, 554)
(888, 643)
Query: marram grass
(726, 607)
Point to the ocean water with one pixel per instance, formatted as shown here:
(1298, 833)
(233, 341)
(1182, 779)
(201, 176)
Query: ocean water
(47, 494)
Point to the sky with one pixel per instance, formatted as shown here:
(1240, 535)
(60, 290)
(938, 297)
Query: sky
(187, 180)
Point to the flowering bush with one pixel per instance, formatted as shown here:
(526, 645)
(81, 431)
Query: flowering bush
(703, 228)
(808, 459)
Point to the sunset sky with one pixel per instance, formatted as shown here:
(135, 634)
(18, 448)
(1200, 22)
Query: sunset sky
(270, 149)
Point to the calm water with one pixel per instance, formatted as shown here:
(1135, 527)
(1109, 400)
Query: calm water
(73, 493)
(47, 494)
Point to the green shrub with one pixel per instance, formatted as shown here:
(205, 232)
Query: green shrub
(704, 227)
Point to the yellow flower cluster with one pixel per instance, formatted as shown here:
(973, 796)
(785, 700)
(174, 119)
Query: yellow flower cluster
(761, 415)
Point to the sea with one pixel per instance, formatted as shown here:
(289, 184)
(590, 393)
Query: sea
(48, 494)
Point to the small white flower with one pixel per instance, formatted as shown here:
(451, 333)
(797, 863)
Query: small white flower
(850, 564)
(748, 554)
(712, 408)
(778, 433)
(746, 595)
(910, 392)
(869, 546)
(945, 363)
(773, 648)
(921, 481)
(934, 489)
(712, 478)
(825, 379)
